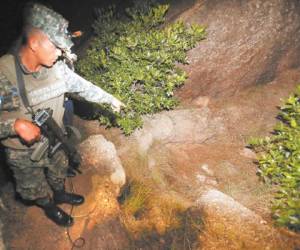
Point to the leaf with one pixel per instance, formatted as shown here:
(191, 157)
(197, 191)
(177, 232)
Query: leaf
(135, 60)
(279, 162)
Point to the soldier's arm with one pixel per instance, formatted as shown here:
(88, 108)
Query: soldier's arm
(85, 89)
(19, 127)
(10, 102)
(7, 125)
(7, 128)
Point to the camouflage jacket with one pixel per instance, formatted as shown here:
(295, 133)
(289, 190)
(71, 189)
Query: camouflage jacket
(70, 83)
(8, 101)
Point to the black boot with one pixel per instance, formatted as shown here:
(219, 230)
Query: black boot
(55, 213)
(63, 197)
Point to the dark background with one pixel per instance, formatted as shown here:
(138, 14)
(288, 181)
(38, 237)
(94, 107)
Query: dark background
(80, 14)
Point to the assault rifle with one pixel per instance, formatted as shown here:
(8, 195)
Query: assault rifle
(53, 138)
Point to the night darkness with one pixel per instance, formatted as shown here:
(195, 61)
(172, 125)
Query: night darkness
(78, 12)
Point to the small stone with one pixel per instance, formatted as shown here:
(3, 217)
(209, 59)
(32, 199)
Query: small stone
(201, 178)
(212, 182)
(206, 169)
(201, 101)
(151, 163)
(263, 222)
(162, 241)
(248, 153)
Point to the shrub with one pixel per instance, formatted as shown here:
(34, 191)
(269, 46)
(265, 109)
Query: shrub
(279, 162)
(135, 60)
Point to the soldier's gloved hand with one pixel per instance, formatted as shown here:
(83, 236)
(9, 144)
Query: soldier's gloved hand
(27, 130)
(117, 105)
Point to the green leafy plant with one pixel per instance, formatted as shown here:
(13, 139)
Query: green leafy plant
(135, 60)
(279, 162)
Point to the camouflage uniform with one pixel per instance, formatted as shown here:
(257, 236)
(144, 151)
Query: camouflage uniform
(6, 128)
(37, 179)
(45, 88)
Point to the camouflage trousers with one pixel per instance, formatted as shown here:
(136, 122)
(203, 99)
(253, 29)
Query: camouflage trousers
(37, 179)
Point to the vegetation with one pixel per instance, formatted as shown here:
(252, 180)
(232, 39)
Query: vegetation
(135, 198)
(279, 162)
(155, 218)
(135, 60)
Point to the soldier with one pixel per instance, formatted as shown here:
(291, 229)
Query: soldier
(46, 79)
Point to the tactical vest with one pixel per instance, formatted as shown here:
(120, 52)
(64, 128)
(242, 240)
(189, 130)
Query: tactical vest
(43, 91)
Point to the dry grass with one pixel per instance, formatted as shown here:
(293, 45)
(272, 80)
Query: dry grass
(151, 211)
(163, 219)
(135, 201)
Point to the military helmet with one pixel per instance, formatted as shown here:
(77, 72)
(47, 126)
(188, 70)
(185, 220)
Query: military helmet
(54, 25)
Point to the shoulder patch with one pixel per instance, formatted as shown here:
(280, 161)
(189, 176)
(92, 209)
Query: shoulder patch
(9, 96)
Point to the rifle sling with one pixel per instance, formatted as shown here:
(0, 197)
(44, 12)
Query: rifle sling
(21, 85)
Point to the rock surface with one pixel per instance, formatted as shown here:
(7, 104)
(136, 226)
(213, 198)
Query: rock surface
(100, 154)
(178, 126)
(230, 225)
(247, 43)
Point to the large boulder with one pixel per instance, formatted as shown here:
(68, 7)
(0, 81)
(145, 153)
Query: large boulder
(247, 43)
(97, 219)
(178, 126)
(230, 225)
(101, 154)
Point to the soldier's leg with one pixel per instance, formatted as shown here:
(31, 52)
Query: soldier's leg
(56, 174)
(30, 179)
(57, 170)
(31, 184)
